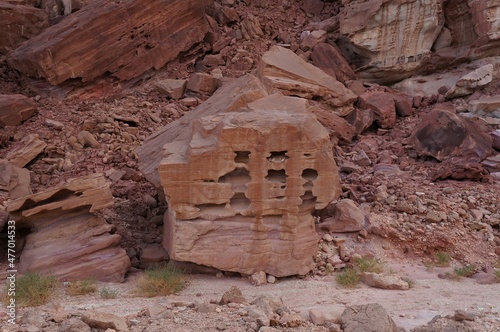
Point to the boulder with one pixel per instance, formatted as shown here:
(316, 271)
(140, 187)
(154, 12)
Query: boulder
(384, 281)
(202, 83)
(67, 238)
(242, 186)
(284, 70)
(152, 254)
(486, 107)
(234, 295)
(361, 119)
(330, 59)
(495, 135)
(103, 321)
(347, 218)
(15, 180)
(228, 98)
(172, 88)
(19, 23)
(367, 317)
(382, 104)
(250, 27)
(337, 126)
(444, 135)
(308, 39)
(392, 38)
(152, 34)
(14, 109)
(471, 82)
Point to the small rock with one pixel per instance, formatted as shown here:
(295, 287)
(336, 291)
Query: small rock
(484, 278)
(74, 325)
(152, 254)
(461, 315)
(233, 295)
(291, 319)
(317, 316)
(328, 238)
(86, 138)
(54, 124)
(258, 278)
(172, 88)
(206, 308)
(368, 317)
(202, 83)
(100, 320)
(271, 279)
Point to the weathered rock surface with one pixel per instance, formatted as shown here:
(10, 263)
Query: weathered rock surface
(67, 238)
(471, 82)
(384, 281)
(495, 135)
(14, 180)
(329, 58)
(242, 187)
(172, 88)
(282, 69)
(347, 218)
(337, 126)
(368, 317)
(134, 36)
(19, 23)
(382, 104)
(228, 98)
(104, 321)
(14, 109)
(30, 147)
(393, 37)
(486, 107)
(443, 135)
(152, 254)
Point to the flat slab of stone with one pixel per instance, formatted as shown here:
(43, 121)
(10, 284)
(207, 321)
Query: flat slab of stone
(486, 107)
(282, 69)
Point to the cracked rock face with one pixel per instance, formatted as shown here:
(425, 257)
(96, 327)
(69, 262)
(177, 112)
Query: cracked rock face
(242, 188)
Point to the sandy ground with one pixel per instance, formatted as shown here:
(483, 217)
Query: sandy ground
(429, 296)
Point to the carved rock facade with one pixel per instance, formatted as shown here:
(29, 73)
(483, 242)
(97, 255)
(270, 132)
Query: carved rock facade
(242, 187)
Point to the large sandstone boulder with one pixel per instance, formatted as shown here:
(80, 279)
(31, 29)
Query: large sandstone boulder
(67, 238)
(228, 98)
(241, 188)
(14, 109)
(446, 136)
(122, 38)
(282, 69)
(394, 37)
(19, 23)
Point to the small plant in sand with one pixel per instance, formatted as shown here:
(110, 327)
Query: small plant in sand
(82, 287)
(443, 259)
(368, 265)
(348, 278)
(33, 289)
(108, 293)
(465, 271)
(160, 280)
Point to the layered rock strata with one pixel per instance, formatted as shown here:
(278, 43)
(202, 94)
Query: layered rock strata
(121, 38)
(66, 237)
(241, 188)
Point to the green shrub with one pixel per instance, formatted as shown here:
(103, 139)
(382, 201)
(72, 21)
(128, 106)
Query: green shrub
(108, 293)
(465, 271)
(82, 287)
(443, 259)
(368, 265)
(160, 281)
(34, 289)
(348, 278)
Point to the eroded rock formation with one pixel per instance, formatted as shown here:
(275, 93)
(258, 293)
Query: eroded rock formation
(124, 39)
(19, 23)
(14, 109)
(393, 37)
(67, 238)
(282, 69)
(242, 186)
